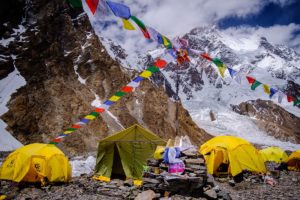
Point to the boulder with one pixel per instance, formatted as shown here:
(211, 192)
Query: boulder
(146, 195)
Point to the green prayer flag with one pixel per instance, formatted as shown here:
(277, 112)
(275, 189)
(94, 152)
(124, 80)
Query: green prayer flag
(71, 129)
(218, 62)
(120, 94)
(75, 3)
(297, 102)
(94, 114)
(153, 69)
(255, 85)
(55, 143)
(138, 22)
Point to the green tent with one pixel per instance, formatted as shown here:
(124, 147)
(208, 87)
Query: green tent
(125, 153)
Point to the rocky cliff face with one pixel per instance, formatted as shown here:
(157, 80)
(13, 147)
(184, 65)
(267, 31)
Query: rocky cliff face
(271, 118)
(66, 68)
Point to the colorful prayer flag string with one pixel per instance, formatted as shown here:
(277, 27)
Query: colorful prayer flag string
(252, 81)
(147, 73)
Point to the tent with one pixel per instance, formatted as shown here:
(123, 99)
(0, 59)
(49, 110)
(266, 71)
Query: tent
(293, 161)
(125, 153)
(231, 154)
(273, 154)
(35, 163)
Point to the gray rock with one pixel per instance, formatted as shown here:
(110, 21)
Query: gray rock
(211, 193)
(150, 180)
(224, 195)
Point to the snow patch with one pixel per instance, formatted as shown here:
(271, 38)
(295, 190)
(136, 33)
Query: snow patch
(17, 31)
(8, 86)
(83, 166)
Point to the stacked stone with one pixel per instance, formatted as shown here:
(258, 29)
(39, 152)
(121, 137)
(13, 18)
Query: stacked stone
(190, 183)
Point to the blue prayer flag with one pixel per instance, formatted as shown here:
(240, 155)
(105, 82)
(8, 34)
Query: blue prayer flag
(120, 10)
(272, 91)
(232, 72)
(84, 120)
(138, 79)
(108, 102)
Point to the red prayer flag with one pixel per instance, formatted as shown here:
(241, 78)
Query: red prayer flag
(99, 110)
(92, 5)
(206, 56)
(160, 63)
(127, 89)
(75, 126)
(290, 98)
(250, 79)
(56, 140)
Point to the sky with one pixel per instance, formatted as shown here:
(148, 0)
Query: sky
(277, 20)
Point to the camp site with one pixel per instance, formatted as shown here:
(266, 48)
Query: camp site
(142, 100)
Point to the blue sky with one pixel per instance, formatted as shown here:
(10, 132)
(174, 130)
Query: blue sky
(271, 14)
(277, 20)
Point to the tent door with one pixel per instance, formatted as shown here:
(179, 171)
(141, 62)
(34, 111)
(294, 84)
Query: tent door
(117, 168)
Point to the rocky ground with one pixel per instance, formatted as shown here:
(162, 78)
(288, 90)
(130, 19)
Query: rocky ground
(85, 188)
(286, 187)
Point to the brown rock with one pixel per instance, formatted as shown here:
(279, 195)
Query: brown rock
(146, 195)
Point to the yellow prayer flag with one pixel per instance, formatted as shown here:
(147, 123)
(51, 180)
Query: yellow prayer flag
(90, 117)
(114, 98)
(127, 25)
(145, 74)
(165, 41)
(266, 89)
(67, 132)
(222, 70)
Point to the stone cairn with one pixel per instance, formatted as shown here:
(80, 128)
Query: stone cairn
(193, 182)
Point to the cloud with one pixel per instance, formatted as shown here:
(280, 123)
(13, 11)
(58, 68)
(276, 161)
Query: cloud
(277, 34)
(177, 17)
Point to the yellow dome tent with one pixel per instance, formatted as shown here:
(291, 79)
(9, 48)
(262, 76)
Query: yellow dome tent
(273, 154)
(236, 153)
(125, 153)
(35, 163)
(293, 161)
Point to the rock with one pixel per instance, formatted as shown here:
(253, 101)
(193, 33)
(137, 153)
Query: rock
(192, 175)
(117, 182)
(190, 152)
(194, 161)
(151, 180)
(200, 172)
(146, 195)
(195, 167)
(231, 183)
(224, 195)
(110, 186)
(211, 193)
(128, 183)
(210, 180)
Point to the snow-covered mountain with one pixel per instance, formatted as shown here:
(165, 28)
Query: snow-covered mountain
(203, 91)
